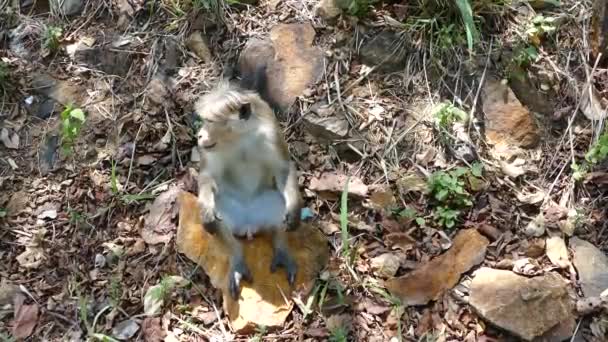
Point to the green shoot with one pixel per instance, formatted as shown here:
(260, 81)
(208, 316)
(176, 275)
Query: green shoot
(344, 220)
(51, 40)
(72, 120)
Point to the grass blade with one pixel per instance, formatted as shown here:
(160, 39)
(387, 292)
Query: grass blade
(467, 17)
(344, 218)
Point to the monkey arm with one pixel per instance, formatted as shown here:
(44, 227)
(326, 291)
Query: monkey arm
(207, 189)
(287, 183)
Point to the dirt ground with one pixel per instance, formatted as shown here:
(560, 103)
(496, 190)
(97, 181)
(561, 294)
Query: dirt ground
(79, 232)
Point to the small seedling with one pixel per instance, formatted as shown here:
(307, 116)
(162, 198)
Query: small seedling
(539, 26)
(72, 120)
(596, 154)
(449, 191)
(466, 13)
(446, 114)
(339, 334)
(51, 38)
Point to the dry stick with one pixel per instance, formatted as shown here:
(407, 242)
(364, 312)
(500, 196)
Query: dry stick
(483, 75)
(133, 154)
(586, 87)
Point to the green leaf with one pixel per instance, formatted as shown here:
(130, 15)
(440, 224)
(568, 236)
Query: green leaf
(344, 217)
(477, 169)
(420, 221)
(78, 114)
(408, 212)
(467, 17)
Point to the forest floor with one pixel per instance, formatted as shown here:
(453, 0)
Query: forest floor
(449, 172)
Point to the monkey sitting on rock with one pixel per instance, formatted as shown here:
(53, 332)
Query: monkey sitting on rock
(247, 181)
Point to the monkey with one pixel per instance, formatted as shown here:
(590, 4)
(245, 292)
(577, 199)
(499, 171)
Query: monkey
(247, 180)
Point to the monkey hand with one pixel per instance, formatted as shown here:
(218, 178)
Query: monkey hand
(211, 221)
(292, 219)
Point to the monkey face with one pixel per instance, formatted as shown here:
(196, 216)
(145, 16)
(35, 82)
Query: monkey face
(224, 131)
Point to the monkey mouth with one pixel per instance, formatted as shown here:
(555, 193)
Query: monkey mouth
(209, 146)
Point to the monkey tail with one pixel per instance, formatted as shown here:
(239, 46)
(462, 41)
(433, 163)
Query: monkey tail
(257, 81)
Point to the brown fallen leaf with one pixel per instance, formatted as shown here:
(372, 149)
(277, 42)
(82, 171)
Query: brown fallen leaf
(381, 199)
(159, 226)
(412, 183)
(152, 330)
(402, 241)
(26, 317)
(430, 280)
(262, 302)
(9, 140)
(334, 183)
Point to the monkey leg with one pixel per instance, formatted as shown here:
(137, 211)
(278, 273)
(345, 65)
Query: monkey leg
(238, 269)
(281, 255)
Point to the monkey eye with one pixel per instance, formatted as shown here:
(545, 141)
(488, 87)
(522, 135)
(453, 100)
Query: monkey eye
(245, 111)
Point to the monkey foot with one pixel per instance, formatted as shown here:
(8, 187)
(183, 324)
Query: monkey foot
(283, 259)
(238, 271)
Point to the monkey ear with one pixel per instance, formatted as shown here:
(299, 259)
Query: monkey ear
(245, 111)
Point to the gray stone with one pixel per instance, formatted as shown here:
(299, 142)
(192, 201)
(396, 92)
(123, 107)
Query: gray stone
(526, 307)
(328, 10)
(387, 51)
(591, 265)
(66, 7)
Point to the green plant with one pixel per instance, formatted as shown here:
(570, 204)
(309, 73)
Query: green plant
(356, 8)
(338, 334)
(115, 291)
(344, 220)
(2, 212)
(539, 26)
(446, 114)
(72, 120)
(448, 189)
(596, 154)
(466, 13)
(51, 38)
(260, 331)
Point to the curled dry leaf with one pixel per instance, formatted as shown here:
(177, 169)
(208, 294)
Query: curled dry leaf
(514, 169)
(159, 226)
(9, 140)
(334, 183)
(402, 241)
(531, 198)
(527, 266)
(32, 257)
(381, 199)
(557, 252)
(536, 227)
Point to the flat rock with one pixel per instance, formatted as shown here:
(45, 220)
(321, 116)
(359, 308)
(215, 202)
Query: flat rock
(507, 121)
(385, 51)
(293, 63)
(591, 265)
(598, 35)
(525, 307)
(262, 302)
(432, 279)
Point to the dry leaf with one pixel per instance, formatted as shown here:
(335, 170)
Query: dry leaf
(9, 140)
(430, 280)
(402, 241)
(412, 183)
(514, 169)
(152, 330)
(334, 183)
(26, 317)
(159, 226)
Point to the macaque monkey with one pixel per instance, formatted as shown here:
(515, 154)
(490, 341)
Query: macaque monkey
(247, 181)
